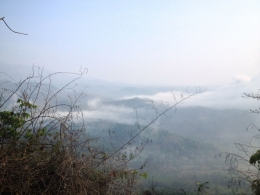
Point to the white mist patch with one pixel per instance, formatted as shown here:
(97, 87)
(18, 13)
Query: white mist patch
(241, 79)
(223, 97)
(94, 103)
(170, 97)
(230, 95)
(98, 110)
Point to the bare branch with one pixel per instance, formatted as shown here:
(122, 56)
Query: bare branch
(150, 123)
(10, 28)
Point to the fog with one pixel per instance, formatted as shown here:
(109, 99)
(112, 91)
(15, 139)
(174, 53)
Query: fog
(227, 96)
(131, 61)
(198, 128)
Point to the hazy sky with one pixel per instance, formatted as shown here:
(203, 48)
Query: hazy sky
(184, 42)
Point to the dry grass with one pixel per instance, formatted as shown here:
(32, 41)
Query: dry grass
(49, 154)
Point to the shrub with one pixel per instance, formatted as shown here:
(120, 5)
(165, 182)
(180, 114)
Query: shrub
(44, 148)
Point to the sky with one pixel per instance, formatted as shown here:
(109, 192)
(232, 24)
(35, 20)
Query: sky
(147, 42)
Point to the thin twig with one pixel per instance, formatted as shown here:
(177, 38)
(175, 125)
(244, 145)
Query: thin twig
(10, 28)
(149, 124)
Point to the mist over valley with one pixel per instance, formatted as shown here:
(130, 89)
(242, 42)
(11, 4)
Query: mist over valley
(185, 141)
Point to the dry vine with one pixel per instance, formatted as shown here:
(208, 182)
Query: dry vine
(44, 147)
(48, 151)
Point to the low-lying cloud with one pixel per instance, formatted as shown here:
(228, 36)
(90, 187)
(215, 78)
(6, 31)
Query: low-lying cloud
(224, 97)
(98, 110)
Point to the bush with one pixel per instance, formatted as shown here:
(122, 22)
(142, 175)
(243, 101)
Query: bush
(44, 148)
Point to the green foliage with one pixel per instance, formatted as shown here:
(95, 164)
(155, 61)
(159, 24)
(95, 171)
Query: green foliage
(39, 156)
(202, 188)
(255, 186)
(11, 122)
(25, 104)
(144, 175)
(255, 158)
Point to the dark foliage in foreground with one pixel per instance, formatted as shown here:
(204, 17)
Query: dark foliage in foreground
(44, 148)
